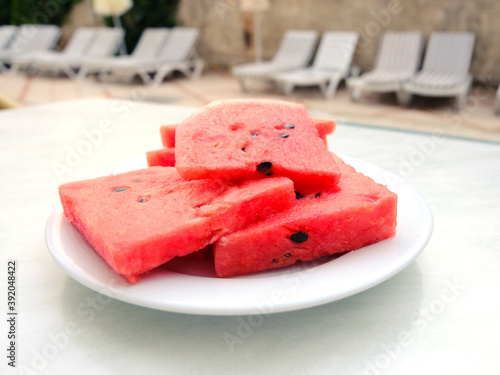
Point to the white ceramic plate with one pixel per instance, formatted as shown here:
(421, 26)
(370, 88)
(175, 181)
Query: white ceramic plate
(187, 288)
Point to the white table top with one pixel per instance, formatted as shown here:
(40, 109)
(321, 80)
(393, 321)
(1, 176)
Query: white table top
(438, 316)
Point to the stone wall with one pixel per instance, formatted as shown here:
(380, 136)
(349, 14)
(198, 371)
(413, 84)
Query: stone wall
(81, 15)
(227, 32)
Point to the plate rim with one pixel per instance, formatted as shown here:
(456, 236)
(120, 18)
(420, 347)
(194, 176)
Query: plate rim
(128, 293)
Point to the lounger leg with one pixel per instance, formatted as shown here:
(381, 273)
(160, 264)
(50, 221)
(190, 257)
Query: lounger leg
(332, 88)
(497, 106)
(158, 78)
(287, 88)
(199, 65)
(354, 71)
(355, 93)
(462, 97)
(146, 78)
(31, 71)
(187, 71)
(160, 75)
(241, 81)
(404, 98)
(245, 83)
(460, 101)
(82, 73)
(323, 88)
(70, 72)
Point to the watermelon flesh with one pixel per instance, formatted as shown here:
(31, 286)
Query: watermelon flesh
(323, 126)
(141, 219)
(250, 139)
(359, 212)
(167, 134)
(163, 157)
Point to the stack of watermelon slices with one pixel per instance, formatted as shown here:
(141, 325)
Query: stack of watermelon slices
(252, 178)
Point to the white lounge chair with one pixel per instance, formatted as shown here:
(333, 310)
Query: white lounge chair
(28, 39)
(148, 46)
(398, 58)
(99, 42)
(331, 64)
(6, 34)
(295, 52)
(177, 53)
(106, 43)
(445, 70)
(59, 60)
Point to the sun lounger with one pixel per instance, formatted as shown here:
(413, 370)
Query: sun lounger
(176, 53)
(28, 39)
(179, 54)
(398, 58)
(6, 34)
(59, 60)
(331, 64)
(106, 43)
(99, 42)
(148, 46)
(445, 70)
(295, 52)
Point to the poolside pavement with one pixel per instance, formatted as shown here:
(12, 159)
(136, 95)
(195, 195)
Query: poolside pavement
(476, 120)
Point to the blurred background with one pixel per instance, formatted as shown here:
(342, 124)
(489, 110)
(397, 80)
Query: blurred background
(234, 32)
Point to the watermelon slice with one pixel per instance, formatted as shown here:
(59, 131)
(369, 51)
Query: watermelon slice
(249, 139)
(323, 126)
(163, 157)
(356, 214)
(141, 219)
(167, 134)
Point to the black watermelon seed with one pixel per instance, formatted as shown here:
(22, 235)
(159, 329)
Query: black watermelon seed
(299, 237)
(318, 195)
(275, 261)
(264, 167)
(244, 149)
(255, 134)
(289, 126)
(283, 135)
(298, 195)
(118, 189)
(136, 181)
(142, 200)
(269, 173)
(288, 255)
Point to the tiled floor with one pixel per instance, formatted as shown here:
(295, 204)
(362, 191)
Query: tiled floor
(476, 120)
